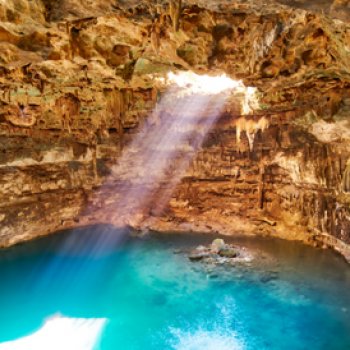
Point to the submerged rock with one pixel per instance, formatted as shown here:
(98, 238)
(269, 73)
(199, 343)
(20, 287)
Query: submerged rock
(199, 253)
(268, 277)
(228, 252)
(197, 256)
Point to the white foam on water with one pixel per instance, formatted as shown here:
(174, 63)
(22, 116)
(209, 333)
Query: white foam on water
(204, 339)
(217, 335)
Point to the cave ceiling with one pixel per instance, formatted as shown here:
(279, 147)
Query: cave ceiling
(283, 49)
(295, 53)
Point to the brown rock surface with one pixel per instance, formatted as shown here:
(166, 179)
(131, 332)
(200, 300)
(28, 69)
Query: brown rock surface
(77, 81)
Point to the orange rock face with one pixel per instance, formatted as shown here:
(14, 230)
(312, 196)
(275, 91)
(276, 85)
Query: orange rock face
(78, 81)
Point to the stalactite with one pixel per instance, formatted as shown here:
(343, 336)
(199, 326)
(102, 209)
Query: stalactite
(175, 13)
(113, 107)
(67, 106)
(262, 47)
(94, 159)
(261, 186)
(250, 127)
(155, 41)
(155, 34)
(346, 178)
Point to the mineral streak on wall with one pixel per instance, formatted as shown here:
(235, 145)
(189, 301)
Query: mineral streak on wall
(77, 82)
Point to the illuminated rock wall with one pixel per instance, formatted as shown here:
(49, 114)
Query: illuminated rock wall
(77, 81)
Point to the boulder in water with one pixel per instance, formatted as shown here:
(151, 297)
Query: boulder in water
(228, 252)
(220, 253)
(217, 245)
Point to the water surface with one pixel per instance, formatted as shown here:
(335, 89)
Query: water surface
(143, 293)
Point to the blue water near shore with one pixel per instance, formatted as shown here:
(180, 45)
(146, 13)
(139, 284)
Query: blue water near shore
(153, 297)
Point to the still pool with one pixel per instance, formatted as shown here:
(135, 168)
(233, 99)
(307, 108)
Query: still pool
(101, 289)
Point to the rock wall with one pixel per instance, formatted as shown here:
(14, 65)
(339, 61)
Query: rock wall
(77, 81)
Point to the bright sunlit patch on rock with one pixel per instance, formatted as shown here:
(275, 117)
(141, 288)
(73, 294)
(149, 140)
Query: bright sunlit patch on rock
(250, 100)
(61, 333)
(190, 83)
(204, 84)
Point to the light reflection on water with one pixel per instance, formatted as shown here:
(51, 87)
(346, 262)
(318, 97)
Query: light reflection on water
(59, 333)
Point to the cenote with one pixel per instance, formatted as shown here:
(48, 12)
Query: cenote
(116, 291)
(174, 174)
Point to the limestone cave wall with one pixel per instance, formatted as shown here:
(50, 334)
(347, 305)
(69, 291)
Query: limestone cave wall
(77, 82)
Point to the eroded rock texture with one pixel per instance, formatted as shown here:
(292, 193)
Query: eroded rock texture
(77, 82)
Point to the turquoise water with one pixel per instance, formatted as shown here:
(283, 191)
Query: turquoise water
(150, 296)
